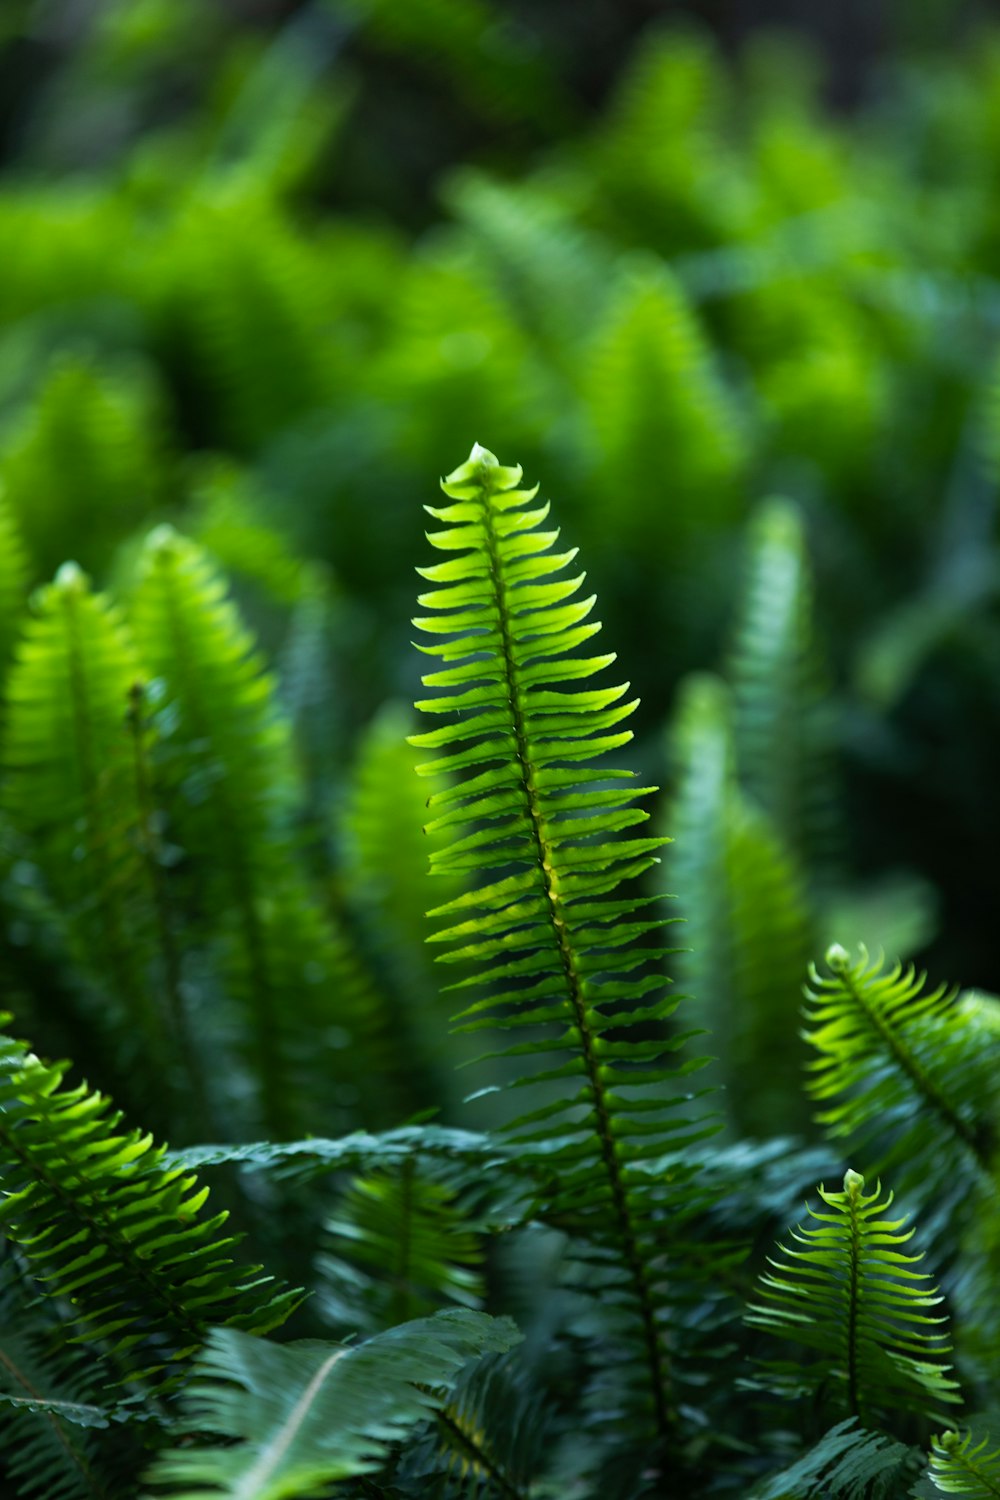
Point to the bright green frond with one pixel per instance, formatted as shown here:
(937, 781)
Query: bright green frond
(290, 1420)
(563, 968)
(112, 1231)
(899, 1063)
(15, 574)
(846, 1289)
(968, 1465)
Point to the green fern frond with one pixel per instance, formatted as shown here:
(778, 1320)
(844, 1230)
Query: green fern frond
(228, 778)
(489, 1439)
(747, 927)
(781, 716)
(72, 793)
(87, 460)
(896, 1057)
(962, 1466)
(850, 1295)
(562, 963)
(293, 1419)
(114, 1233)
(650, 389)
(48, 1419)
(848, 1463)
(398, 1247)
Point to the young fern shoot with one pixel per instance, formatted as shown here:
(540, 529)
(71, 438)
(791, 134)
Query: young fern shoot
(558, 961)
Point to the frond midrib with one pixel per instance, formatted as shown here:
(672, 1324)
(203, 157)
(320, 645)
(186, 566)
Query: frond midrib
(606, 1138)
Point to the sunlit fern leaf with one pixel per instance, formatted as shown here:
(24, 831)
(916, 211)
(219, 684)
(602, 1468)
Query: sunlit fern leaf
(398, 1246)
(115, 1234)
(901, 1065)
(667, 430)
(747, 929)
(231, 789)
(87, 460)
(564, 970)
(781, 702)
(847, 1291)
(292, 1419)
(848, 1463)
(968, 1465)
(71, 789)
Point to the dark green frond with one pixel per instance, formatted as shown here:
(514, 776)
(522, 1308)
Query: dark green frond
(847, 1463)
(112, 1231)
(563, 947)
(398, 1247)
(290, 1420)
(846, 1291)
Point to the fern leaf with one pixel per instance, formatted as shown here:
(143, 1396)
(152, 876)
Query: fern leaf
(227, 772)
(397, 1248)
(847, 1291)
(893, 1053)
(847, 1462)
(747, 923)
(962, 1466)
(561, 966)
(111, 1230)
(71, 789)
(15, 571)
(781, 716)
(293, 1419)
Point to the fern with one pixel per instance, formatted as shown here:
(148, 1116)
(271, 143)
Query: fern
(227, 771)
(847, 1462)
(747, 925)
(962, 1466)
(398, 1247)
(562, 964)
(782, 723)
(849, 1295)
(72, 792)
(113, 1232)
(294, 1419)
(15, 572)
(898, 1058)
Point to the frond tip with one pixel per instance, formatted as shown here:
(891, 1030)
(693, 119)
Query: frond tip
(850, 1294)
(962, 1466)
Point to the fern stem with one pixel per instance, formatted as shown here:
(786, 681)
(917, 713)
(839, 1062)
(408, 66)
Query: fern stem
(853, 1183)
(925, 1085)
(574, 990)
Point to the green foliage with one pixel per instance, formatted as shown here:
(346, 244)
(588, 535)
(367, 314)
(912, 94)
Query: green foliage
(850, 1295)
(963, 1466)
(298, 1417)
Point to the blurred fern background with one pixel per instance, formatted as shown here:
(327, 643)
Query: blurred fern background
(736, 288)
